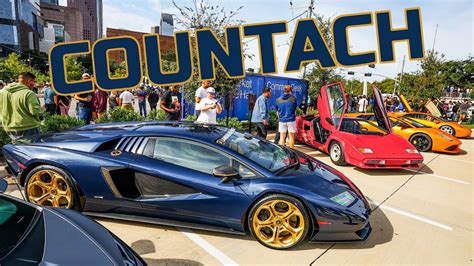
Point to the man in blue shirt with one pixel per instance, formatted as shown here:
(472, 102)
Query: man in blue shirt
(49, 101)
(260, 113)
(286, 105)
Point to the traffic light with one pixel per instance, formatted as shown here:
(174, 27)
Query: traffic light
(368, 74)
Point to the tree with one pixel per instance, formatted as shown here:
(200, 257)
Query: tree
(12, 66)
(458, 73)
(429, 81)
(203, 14)
(74, 69)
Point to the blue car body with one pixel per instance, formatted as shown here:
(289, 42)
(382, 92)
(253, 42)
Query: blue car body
(110, 173)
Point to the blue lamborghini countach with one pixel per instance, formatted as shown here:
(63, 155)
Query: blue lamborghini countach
(196, 176)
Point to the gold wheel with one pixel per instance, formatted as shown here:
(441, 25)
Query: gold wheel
(49, 188)
(278, 224)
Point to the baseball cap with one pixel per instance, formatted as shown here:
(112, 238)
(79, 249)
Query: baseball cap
(211, 90)
(86, 75)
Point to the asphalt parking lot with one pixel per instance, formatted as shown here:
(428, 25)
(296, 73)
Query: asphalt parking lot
(420, 217)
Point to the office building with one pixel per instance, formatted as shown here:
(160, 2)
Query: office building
(62, 24)
(166, 24)
(21, 26)
(91, 11)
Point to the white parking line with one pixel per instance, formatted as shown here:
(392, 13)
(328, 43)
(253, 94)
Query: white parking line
(459, 160)
(416, 217)
(221, 257)
(438, 176)
(313, 152)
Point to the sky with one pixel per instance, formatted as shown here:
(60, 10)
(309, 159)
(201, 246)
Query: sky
(454, 19)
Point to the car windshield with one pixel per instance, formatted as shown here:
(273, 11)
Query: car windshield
(362, 127)
(15, 219)
(413, 122)
(262, 152)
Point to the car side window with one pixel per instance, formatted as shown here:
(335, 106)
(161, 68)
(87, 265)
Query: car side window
(191, 155)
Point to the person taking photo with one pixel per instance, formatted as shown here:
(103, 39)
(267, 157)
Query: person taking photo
(209, 108)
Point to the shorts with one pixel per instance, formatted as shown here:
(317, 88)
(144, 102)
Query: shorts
(287, 127)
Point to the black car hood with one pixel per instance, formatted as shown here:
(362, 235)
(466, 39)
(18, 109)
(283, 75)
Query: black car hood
(80, 238)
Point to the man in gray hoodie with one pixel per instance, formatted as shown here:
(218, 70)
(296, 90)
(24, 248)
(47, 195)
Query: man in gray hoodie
(261, 113)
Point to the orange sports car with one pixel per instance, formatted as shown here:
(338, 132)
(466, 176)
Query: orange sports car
(424, 138)
(433, 119)
(450, 127)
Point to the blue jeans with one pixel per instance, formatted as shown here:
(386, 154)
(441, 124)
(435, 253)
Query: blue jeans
(85, 114)
(142, 107)
(24, 136)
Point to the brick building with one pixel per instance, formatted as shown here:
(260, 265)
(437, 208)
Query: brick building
(70, 18)
(166, 42)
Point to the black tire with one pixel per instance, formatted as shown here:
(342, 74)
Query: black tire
(336, 153)
(448, 129)
(422, 142)
(65, 180)
(301, 219)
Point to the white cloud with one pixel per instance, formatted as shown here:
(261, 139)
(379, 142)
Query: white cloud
(114, 17)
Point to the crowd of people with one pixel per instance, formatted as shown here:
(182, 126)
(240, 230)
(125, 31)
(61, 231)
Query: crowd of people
(455, 92)
(21, 112)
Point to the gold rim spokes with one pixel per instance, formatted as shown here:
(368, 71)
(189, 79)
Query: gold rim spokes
(49, 188)
(278, 223)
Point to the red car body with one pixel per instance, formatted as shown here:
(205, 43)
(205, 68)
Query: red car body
(331, 132)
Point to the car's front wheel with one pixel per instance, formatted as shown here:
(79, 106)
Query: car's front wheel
(448, 129)
(279, 221)
(337, 154)
(48, 185)
(421, 142)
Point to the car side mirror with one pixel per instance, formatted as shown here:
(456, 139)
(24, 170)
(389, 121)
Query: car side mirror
(3, 185)
(329, 120)
(226, 172)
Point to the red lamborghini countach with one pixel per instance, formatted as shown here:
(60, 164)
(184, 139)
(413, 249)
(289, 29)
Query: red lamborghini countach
(355, 141)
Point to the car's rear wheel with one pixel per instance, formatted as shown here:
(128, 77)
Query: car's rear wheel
(421, 142)
(448, 129)
(279, 221)
(337, 154)
(48, 185)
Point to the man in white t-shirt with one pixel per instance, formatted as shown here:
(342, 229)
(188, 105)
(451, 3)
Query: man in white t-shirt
(201, 93)
(126, 100)
(363, 104)
(209, 108)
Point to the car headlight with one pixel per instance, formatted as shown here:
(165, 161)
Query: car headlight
(445, 136)
(411, 151)
(365, 150)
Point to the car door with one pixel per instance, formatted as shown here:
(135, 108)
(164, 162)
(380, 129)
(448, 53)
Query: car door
(433, 109)
(380, 113)
(405, 104)
(174, 177)
(332, 106)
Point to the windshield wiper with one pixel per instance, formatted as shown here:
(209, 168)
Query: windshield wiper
(295, 165)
